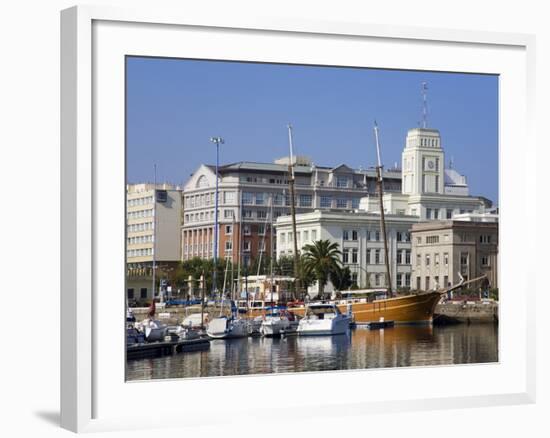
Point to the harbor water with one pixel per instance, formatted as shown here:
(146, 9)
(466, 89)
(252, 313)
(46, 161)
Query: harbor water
(360, 348)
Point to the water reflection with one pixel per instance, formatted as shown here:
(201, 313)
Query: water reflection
(359, 349)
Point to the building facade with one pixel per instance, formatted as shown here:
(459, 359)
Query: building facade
(359, 239)
(429, 190)
(153, 223)
(250, 192)
(443, 249)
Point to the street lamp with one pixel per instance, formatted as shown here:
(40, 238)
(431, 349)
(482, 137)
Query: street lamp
(217, 141)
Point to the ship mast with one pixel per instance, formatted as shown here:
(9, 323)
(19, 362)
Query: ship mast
(293, 213)
(379, 183)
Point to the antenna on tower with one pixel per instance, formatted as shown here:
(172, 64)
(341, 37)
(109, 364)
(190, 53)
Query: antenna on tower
(424, 105)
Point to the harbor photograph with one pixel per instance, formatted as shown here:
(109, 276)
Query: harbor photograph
(289, 218)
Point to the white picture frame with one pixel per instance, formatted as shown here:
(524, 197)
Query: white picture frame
(93, 39)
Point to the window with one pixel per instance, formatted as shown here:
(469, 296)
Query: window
(484, 238)
(306, 236)
(436, 213)
(282, 238)
(436, 259)
(261, 214)
(432, 239)
(377, 280)
(326, 202)
(399, 280)
(246, 246)
(345, 235)
(484, 261)
(428, 213)
(247, 214)
(407, 256)
(277, 199)
(246, 230)
(228, 214)
(131, 294)
(368, 256)
(259, 199)
(143, 293)
(353, 234)
(408, 280)
(427, 259)
(354, 255)
(228, 245)
(377, 259)
(446, 281)
(248, 198)
(399, 236)
(436, 281)
(261, 245)
(313, 235)
(345, 256)
(228, 197)
(229, 229)
(427, 283)
(400, 212)
(341, 203)
(261, 229)
(446, 258)
(407, 237)
(377, 235)
(306, 200)
(437, 185)
(418, 287)
(355, 203)
(463, 258)
(449, 213)
(342, 181)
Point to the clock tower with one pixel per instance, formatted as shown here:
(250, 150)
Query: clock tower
(423, 163)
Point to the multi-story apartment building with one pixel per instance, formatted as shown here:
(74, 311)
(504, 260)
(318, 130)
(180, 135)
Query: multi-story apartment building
(249, 191)
(153, 223)
(359, 239)
(443, 249)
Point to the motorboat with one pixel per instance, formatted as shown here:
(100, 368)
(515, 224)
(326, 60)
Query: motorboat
(153, 329)
(226, 327)
(277, 321)
(323, 319)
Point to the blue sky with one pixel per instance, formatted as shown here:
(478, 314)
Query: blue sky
(174, 106)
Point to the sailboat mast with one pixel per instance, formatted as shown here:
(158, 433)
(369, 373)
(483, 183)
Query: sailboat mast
(293, 212)
(379, 183)
(239, 252)
(154, 230)
(233, 257)
(271, 245)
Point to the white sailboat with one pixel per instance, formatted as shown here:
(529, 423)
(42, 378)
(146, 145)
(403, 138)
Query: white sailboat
(226, 327)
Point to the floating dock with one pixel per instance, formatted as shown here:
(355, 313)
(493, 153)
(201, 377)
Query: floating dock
(158, 349)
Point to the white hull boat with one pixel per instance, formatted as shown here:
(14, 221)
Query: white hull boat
(227, 328)
(323, 320)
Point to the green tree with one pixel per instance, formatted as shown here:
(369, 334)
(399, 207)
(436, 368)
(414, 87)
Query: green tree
(341, 278)
(321, 258)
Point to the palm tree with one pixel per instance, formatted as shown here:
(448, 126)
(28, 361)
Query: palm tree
(321, 258)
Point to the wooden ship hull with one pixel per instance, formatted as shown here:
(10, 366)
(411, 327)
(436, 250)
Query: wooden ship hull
(408, 309)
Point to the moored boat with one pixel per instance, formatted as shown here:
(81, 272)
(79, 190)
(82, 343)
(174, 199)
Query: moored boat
(225, 327)
(323, 319)
(277, 321)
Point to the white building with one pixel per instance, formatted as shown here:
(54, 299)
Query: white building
(153, 223)
(428, 189)
(359, 238)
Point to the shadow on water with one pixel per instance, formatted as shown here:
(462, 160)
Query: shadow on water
(361, 348)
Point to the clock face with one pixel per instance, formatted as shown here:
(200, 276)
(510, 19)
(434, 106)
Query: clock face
(430, 164)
